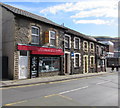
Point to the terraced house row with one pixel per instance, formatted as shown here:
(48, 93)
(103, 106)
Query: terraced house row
(34, 46)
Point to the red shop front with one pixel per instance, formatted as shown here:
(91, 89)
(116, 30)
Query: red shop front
(43, 61)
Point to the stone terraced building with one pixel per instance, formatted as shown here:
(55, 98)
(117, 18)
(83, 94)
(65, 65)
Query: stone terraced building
(34, 46)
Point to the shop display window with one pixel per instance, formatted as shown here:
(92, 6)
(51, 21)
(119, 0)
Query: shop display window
(49, 64)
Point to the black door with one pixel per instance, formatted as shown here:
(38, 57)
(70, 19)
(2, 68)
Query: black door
(66, 66)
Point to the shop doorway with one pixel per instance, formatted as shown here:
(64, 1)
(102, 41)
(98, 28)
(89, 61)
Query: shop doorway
(23, 64)
(85, 60)
(67, 63)
(34, 67)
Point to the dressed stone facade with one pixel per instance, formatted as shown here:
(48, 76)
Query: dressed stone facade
(35, 46)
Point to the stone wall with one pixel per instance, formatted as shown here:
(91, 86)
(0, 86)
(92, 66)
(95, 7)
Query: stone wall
(23, 36)
(46, 74)
(80, 69)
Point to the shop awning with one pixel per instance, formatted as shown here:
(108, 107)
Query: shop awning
(41, 50)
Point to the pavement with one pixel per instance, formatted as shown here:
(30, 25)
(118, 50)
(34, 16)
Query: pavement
(9, 83)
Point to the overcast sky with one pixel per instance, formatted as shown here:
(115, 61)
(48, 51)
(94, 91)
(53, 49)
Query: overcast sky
(90, 17)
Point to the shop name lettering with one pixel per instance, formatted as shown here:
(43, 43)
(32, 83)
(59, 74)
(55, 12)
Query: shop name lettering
(33, 48)
(50, 50)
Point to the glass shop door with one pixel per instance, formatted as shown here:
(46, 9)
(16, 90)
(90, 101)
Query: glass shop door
(34, 67)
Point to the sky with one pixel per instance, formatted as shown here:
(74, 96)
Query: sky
(90, 17)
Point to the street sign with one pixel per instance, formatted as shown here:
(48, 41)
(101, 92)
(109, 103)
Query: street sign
(72, 54)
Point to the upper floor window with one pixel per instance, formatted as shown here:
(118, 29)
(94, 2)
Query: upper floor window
(52, 39)
(92, 46)
(35, 35)
(85, 45)
(67, 41)
(77, 60)
(102, 50)
(76, 43)
(97, 49)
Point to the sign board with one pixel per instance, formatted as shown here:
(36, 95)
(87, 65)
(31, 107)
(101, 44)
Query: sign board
(41, 50)
(72, 54)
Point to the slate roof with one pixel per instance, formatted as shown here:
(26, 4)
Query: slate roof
(45, 20)
(30, 15)
(81, 35)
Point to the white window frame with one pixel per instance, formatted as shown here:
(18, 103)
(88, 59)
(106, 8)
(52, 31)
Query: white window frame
(78, 43)
(50, 36)
(79, 59)
(84, 45)
(98, 49)
(66, 35)
(37, 35)
(93, 46)
(102, 50)
(69, 61)
(93, 61)
(69, 40)
(84, 64)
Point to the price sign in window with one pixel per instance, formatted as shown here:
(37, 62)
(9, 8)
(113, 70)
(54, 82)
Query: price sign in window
(34, 68)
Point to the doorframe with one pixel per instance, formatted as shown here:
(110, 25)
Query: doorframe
(19, 64)
(69, 62)
(84, 64)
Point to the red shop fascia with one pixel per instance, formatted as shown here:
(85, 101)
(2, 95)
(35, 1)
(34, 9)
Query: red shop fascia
(43, 59)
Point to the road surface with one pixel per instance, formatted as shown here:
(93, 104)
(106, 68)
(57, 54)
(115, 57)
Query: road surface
(99, 90)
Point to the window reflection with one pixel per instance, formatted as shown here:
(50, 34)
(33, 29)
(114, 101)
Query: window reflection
(48, 64)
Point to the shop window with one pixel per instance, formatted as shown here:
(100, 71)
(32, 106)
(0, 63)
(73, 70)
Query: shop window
(77, 43)
(49, 64)
(52, 37)
(35, 35)
(92, 61)
(67, 41)
(77, 60)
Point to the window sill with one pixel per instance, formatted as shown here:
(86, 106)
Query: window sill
(92, 67)
(68, 48)
(92, 51)
(85, 51)
(76, 49)
(76, 67)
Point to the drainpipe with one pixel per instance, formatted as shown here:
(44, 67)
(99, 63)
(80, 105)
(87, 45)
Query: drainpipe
(72, 62)
(62, 65)
(62, 57)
